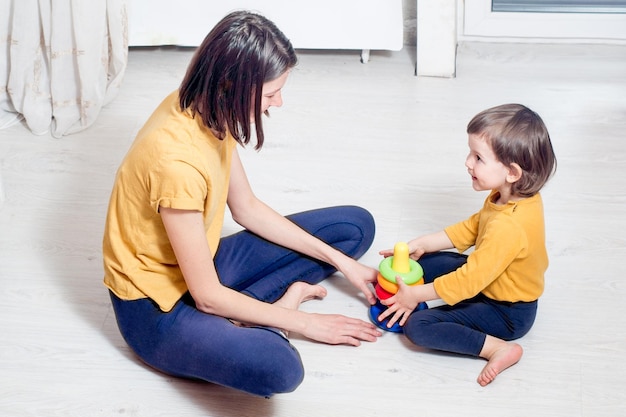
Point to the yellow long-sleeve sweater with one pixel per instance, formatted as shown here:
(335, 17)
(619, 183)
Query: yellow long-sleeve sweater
(509, 258)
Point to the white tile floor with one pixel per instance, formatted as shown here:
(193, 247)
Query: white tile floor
(373, 135)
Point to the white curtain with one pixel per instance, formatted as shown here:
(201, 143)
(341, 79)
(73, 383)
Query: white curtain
(60, 61)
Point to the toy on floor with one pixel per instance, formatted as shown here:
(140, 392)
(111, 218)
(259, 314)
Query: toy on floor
(397, 265)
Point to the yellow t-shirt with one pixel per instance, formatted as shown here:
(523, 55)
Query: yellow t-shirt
(174, 162)
(509, 258)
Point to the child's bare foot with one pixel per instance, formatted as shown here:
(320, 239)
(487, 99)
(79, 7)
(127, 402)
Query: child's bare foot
(501, 357)
(298, 293)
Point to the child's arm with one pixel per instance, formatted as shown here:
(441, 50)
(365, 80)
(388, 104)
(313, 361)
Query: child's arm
(433, 242)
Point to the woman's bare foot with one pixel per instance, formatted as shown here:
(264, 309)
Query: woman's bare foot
(298, 293)
(501, 355)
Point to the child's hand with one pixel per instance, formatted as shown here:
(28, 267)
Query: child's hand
(402, 304)
(415, 251)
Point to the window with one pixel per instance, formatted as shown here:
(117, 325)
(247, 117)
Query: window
(560, 6)
(562, 20)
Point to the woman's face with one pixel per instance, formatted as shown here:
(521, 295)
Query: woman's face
(271, 95)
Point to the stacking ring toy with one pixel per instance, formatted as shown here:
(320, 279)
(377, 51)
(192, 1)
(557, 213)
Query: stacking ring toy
(386, 286)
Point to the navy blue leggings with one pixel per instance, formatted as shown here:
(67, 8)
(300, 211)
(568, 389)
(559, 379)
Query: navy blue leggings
(462, 328)
(188, 343)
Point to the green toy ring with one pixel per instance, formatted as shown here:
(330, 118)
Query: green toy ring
(415, 274)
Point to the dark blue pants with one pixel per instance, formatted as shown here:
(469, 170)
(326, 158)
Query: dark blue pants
(188, 343)
(462, 328)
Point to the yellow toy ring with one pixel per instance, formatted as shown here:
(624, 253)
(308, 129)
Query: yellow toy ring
(413, 276)
(390, 287)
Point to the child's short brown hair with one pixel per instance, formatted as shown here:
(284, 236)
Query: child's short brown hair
(517, 135)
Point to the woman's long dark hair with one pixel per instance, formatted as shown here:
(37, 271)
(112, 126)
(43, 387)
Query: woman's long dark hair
(224, 81)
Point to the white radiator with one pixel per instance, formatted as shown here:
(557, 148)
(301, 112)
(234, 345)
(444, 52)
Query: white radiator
(323, 24)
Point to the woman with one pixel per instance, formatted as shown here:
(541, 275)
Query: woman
(191, 303)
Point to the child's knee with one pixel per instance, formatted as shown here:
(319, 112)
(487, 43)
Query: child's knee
(416, 328)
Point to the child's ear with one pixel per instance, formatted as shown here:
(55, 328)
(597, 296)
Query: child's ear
(515, 173)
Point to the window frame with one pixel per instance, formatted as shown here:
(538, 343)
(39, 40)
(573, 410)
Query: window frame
(481, 22)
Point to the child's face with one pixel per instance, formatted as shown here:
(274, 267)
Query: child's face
(487, 172)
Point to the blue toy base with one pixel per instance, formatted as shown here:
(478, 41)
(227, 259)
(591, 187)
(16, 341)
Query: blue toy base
(378, 308)
(375, 311)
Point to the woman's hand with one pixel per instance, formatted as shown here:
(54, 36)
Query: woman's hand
(360, 276)
(336, 329)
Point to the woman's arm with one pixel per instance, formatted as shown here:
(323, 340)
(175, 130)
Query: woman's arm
(185, 230)
(251, 213)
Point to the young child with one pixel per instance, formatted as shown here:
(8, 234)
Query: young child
(491, 294)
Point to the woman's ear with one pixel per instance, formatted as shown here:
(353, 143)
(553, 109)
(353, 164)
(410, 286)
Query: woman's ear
(515, 173)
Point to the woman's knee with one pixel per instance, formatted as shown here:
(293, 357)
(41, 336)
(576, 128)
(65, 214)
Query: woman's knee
(350, 229)
(274, 369)
(353, 230)
(361, 218)
(283, 379)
